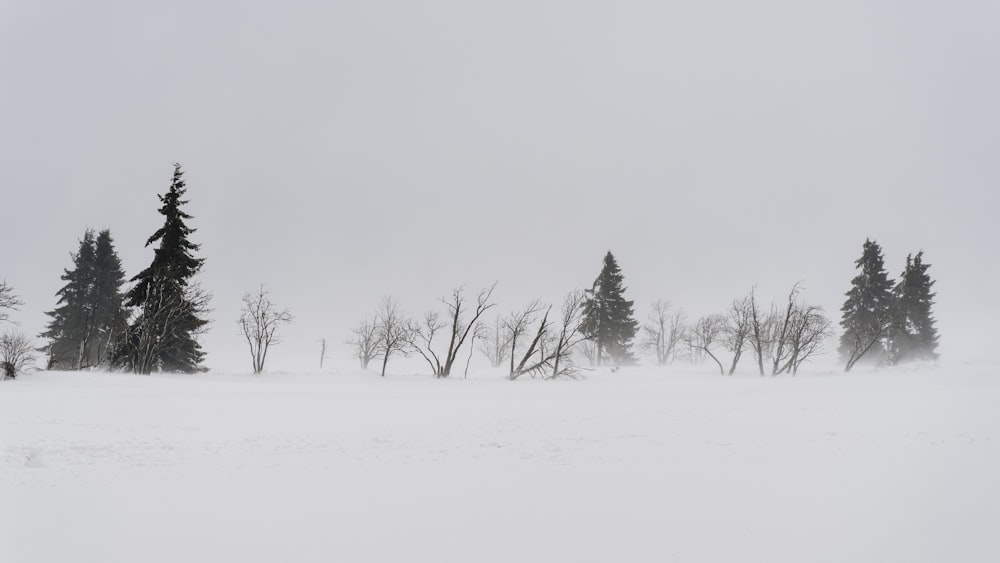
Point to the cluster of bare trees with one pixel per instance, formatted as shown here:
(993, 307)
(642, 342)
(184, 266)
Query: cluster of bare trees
(780, 338)
(549, 352)
(457, 329)
(391, 332)
(533, 341)
(17, 353)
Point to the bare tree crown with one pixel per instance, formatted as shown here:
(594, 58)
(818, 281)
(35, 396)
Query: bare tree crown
(259, 324)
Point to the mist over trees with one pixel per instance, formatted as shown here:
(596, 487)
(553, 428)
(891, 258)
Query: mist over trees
(364, 342)
(663, 330)
(155, 323)
(912, 334)
(866, 312)
(888, 323)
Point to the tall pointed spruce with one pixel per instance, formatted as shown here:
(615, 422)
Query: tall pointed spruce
(164, 334)
(83, 320)
(608, 317)
(867, 311)
(107, 296)
(913, 334)
(68, 329)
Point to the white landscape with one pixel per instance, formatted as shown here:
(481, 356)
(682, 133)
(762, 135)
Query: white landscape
(454, 282)
(646, 464)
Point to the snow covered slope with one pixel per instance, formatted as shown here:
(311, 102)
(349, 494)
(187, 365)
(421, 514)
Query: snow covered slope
(641, 465)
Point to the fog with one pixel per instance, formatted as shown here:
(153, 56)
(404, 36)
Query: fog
(339, 152)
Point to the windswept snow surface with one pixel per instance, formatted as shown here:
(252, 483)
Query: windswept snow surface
(641, 465)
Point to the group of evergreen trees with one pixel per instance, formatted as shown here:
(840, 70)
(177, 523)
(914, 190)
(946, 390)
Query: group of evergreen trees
(88, 322)
(152, 326)
(888, 322)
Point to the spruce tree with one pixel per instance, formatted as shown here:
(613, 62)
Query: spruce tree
(608, 317)
(913, 335)
(69, 330)
(88, 305)
(107, 296)
(164, 334)
(867, 310)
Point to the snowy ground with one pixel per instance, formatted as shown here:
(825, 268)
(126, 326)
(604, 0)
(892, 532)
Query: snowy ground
(642, 465)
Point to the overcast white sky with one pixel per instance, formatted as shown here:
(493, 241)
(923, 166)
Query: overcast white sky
(339, 151)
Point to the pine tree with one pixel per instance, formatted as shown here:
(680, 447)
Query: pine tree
(608, 317)
(87, 305)
(913, 335)
(107, 296)
(866, 313)
(164, 334)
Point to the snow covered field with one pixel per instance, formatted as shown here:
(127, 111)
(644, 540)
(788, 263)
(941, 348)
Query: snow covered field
(642, 465)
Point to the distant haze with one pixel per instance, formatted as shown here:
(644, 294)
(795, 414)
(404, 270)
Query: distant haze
(341, 151)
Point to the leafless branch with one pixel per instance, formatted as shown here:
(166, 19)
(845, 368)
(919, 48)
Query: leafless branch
(8, 302)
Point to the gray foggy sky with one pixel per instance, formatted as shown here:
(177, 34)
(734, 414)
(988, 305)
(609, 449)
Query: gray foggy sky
(339, 151)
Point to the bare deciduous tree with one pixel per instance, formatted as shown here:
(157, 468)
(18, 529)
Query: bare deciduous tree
(8, 302)
(459, 329)
(259, 324)
(707, 332)
(569, 335)
(663, 331)
(809, 328)
(796, 333)
(422, 339)
(737, 330)
(760, 331)
(532, 360)
(495, 342)
(364, 339)
(780, 325)
(16, 355)
(517, 325)
(394, 331)
(478, 332)
(550, 352)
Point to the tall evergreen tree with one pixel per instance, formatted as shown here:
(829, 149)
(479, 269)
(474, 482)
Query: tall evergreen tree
(107, 295)
(164, 334)
(913, 335)
(608, 317)
(69, 328)
(88, 304)
(867, 310)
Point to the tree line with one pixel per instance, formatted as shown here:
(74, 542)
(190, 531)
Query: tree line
(155, 323)
(881, 322)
